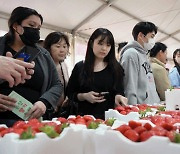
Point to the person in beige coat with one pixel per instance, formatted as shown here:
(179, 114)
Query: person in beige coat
(158, 58)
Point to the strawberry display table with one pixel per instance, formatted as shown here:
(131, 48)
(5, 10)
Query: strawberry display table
(156, 133)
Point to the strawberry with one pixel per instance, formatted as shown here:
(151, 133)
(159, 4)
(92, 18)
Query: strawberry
(123, 128)
(92, 125)
(51, 123)
(110, 121)
(100, 121)
(62, 120)
(2, 128)
(27, 134)
(72, 120)
(140, 129)
(123, 112)
(3, 132)
(88, 118)
(132, 135)
(60, 128)
(134, 109)
(50, 131)
(120, 108)
(167, 126)
(33, 121)
(147, 126)
(134, 124)
(36, 127)
(170, 135)
(19, 124)
(159, 131)
(18, 130)
(80, 120)
(146, 135)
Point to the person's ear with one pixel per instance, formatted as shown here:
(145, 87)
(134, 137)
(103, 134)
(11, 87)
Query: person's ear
(17, 28)
(14, 26)
(141, 35)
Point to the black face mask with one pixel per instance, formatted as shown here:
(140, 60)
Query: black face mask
(30, 36)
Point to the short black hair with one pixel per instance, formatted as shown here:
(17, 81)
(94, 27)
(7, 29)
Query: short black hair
(121, 45)
(144, 27)
(157, 47)
(53, 38)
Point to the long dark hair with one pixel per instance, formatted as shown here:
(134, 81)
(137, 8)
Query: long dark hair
(174, 58)
(17, 16)
(88, 70)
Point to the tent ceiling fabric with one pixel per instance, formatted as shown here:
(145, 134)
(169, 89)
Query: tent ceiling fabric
(119, 16)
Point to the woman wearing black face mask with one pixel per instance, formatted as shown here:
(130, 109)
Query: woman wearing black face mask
(44, 88)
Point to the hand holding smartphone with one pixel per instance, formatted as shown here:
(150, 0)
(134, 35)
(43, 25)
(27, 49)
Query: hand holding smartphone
(103, 93)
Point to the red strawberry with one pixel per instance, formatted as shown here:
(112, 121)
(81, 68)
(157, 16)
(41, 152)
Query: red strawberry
(134, 109)
(62, 120)
(88, 118)
(147, 126)
(159, 131)
(3, 132)
(80, 121)
(2, 128)
(167, 126)
(33, 121)
(120, 108)
(123, 128)
(59, 128)
(123, 112)
(51, 123)
(18, 130)
(146, 135)
(134, 124)
(19, 124)
(140, 129)
(36, 127)
(170, 135)
(71, 120)
(132, 135)
(100, 121)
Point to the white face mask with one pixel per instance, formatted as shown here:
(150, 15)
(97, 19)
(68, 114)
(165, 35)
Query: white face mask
(150, 44)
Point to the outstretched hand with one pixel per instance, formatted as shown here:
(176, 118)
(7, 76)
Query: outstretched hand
(37, 110)
(121, 100)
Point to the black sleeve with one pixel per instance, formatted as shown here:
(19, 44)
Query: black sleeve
(119, 86)
(73, 86)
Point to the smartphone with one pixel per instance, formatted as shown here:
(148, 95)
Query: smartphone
(27, 54)
(103, 93)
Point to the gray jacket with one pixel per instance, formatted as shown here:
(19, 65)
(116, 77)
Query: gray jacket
(52, 87)
(139, 81)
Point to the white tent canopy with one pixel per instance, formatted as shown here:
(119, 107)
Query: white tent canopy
(82, 17)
